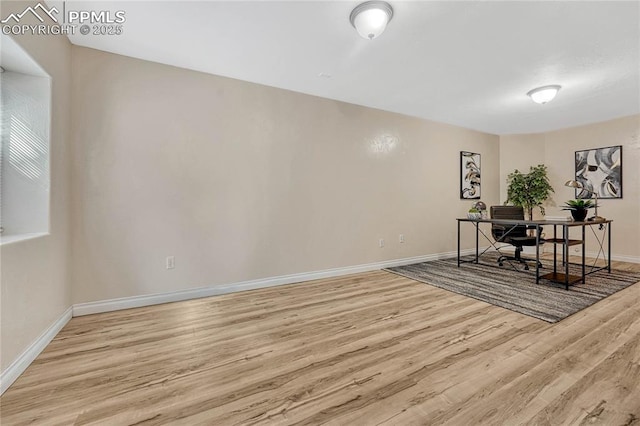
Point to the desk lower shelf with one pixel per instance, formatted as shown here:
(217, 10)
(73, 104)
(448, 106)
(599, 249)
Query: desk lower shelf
(562, 241)
(560, 277)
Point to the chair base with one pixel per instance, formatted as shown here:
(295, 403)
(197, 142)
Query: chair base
(517, 258)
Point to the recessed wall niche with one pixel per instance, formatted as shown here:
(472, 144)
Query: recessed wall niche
(25, 116)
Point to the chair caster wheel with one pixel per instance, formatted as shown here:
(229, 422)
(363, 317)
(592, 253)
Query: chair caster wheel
(499, 263)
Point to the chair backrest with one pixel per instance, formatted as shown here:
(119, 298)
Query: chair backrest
(505, 213)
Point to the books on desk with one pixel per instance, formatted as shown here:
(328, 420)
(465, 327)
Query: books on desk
(558, 218)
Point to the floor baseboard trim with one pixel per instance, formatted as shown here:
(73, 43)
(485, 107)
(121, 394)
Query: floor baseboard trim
(622, 258)
(617, 257)
(20, 364)
(101, 306)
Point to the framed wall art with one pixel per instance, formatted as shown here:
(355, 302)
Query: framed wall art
(469, 175)
(600, 171)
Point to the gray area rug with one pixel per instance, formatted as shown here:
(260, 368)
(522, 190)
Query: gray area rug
(517, 291)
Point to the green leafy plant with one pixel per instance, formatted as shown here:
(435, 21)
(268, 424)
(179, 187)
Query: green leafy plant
(529, 190)
(578, 204)
(474, 213)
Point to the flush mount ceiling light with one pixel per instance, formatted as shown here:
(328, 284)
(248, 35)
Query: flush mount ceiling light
(371, 18)
(542, 95)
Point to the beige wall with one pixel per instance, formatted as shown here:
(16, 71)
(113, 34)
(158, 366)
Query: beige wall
(240, 181)
(560, 150)
(519, 152)
(557, 151)
(35, 278)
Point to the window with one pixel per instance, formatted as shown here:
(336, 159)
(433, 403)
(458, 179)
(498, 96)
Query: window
(25, 103)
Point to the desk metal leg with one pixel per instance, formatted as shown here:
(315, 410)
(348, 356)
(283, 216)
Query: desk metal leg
(555, 250)
(477, 229)
(564, 228)
(537, 254)
(609, 247)
(458, 244)
(583, 254)
(565, 256)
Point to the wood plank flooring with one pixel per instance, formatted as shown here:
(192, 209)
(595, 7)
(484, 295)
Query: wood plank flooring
(366, 349)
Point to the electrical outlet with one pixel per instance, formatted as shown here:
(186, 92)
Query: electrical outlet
(401, 238)
(381, 242)
(171, 262)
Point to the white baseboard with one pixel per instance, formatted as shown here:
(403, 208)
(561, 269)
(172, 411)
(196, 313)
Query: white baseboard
(595, 254)
(618, 257)
(623, 258)
(21, 363)
(18, 366)
(89, 308)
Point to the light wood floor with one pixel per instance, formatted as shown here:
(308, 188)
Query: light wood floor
(366, 349)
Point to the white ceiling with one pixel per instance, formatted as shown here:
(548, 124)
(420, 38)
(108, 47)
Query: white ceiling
(464, 63)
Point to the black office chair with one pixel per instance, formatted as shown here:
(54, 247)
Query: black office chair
(510, 234)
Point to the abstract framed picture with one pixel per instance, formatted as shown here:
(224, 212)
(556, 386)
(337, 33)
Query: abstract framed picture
(469, 175)
(600, 171)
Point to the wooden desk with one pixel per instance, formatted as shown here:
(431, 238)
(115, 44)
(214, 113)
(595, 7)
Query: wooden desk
(556, 276)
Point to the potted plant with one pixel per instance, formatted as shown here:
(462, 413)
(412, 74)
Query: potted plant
(529, 190)
(474, 213)
(578, 208)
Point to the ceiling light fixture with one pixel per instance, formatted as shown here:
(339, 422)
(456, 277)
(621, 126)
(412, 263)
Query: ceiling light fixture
(542, 95)
(371, 18)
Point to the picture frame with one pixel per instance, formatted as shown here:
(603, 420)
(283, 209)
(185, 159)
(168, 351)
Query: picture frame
(470, 181)
(599, 170)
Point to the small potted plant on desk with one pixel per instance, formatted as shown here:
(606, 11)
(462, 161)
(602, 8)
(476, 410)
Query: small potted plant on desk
(474, 213)
(578, 208)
